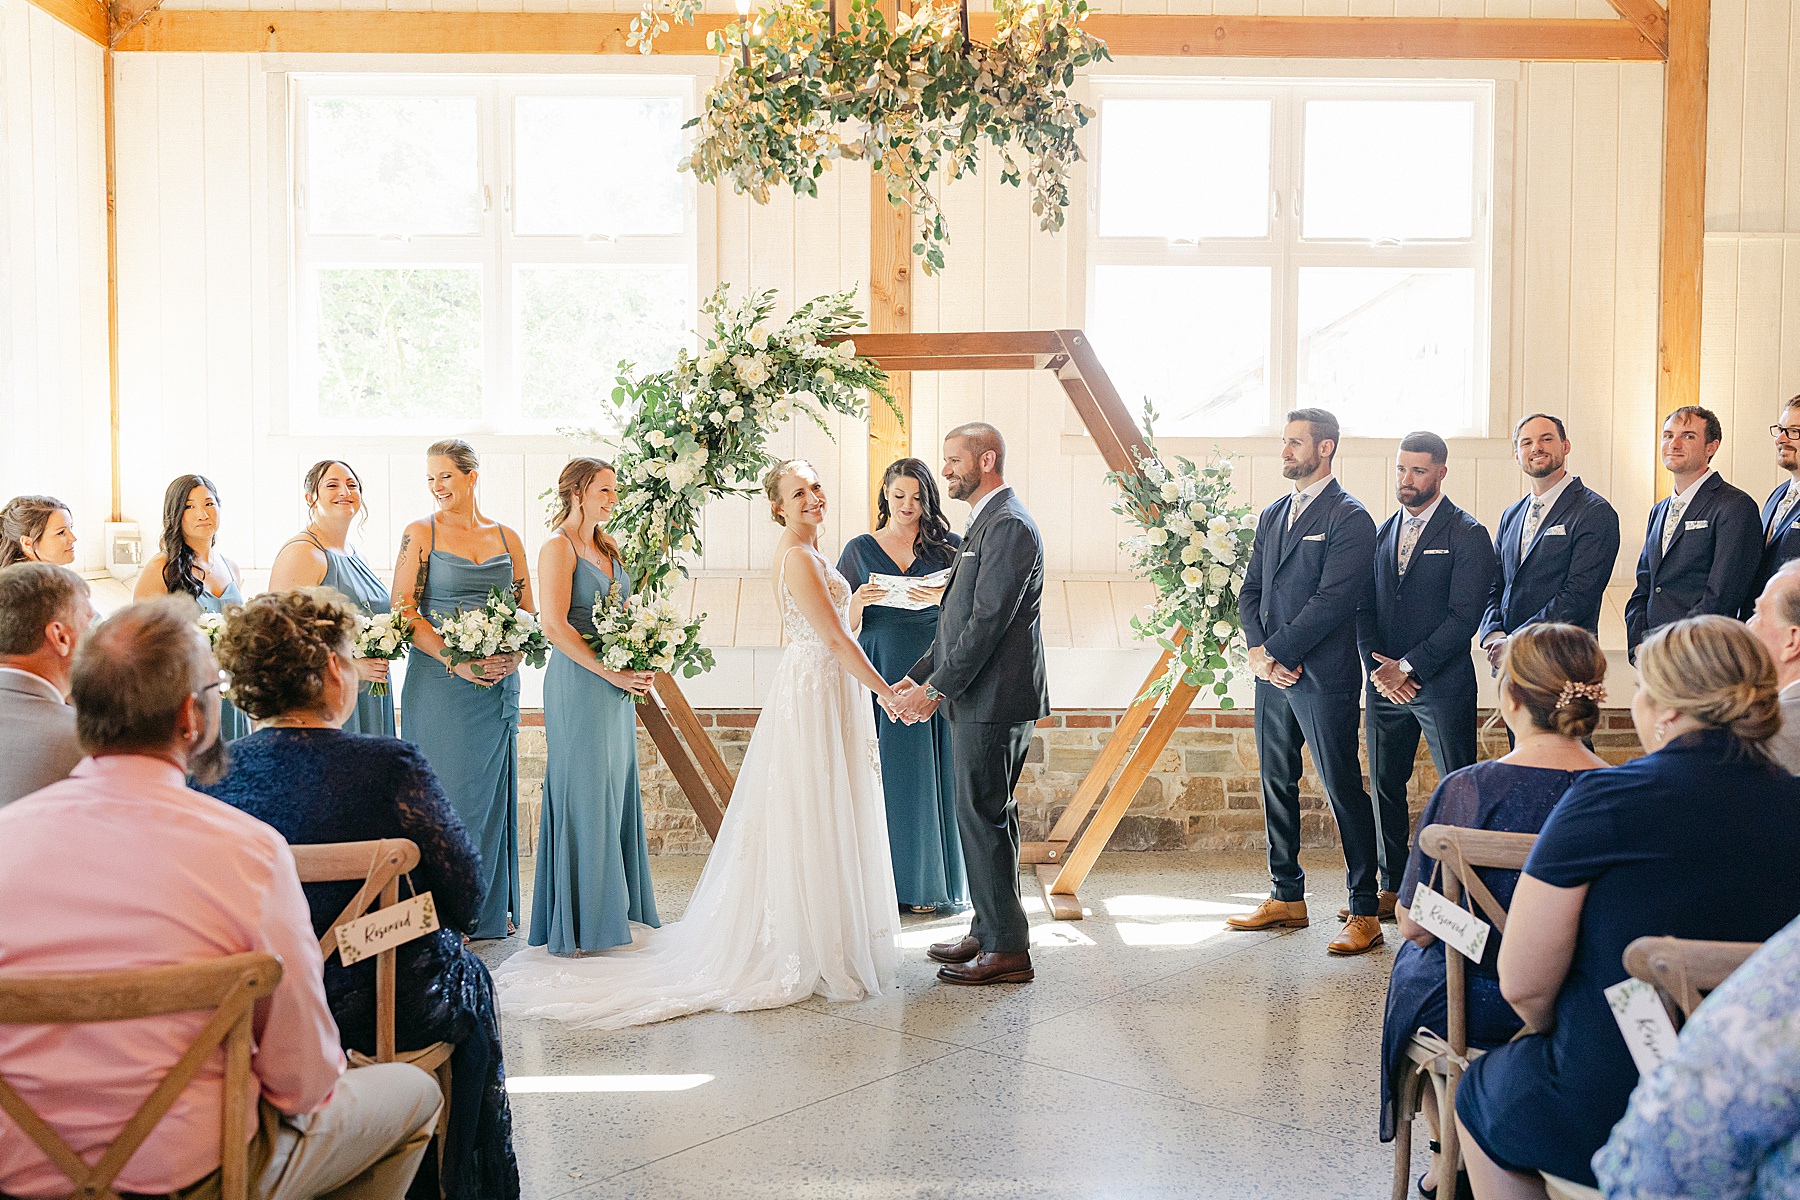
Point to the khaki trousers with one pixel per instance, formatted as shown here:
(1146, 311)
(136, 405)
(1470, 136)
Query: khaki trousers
(365, 1144)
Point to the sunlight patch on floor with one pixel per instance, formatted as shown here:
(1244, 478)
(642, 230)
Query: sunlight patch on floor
(530, 1084)
(1168, 933)
(1168, 906)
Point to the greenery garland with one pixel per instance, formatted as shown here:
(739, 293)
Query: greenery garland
(1194, 543)
(909, 100)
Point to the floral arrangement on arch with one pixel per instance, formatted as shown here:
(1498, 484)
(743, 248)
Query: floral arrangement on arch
(1194, 544)
(910, 100)
(700, 429)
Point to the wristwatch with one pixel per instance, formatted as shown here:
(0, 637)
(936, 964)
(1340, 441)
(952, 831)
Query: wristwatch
(1404, 666)
(932, 694)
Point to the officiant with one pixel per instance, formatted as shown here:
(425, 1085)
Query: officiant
(895, 611)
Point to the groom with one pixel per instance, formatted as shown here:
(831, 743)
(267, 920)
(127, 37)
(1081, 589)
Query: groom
(986, 668)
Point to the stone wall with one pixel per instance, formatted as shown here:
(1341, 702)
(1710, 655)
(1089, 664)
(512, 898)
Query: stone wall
(1204, 793)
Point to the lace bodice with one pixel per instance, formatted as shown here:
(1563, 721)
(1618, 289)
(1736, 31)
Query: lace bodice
(799, 630)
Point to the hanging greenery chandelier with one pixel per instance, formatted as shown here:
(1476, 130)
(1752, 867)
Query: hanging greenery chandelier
(911, 100)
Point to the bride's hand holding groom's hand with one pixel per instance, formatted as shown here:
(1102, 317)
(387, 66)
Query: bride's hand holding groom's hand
(912, 704)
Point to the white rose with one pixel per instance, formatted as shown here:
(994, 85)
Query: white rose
(1171, 491)
(752, 371)
(1218, 576)
(657, 438)
(715, 417)
(1221, 629)
(701, 455)
(1158, 536)
(846, 349)
(727, 397)
(1226, 554)
(1190, 553)
(1197, 511)
(827, 377)
(736, 414)
(687, 541)
(782, 411)
(1192, 577)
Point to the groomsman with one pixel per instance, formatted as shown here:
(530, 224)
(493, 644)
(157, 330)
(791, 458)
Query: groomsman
(1703, 544)
(1434, 568)
(1309, 569)
(1781, 532)
(1556, 546)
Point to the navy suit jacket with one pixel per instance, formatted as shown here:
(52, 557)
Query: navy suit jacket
(1303, 585)
(1564, 575)
(1710, 567)
(1784, 546)
(1428, 615)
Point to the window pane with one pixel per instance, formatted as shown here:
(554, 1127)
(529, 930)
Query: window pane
(393, 164)
(1389, 350)
(1389, 169)
(576, 323)
(399, 342)
(598, 164)
(1184, 168)
(1193, 339)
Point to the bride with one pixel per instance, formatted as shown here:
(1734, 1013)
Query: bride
(797, 898)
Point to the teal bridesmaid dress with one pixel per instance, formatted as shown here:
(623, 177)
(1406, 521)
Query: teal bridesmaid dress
(470, 734)
(233, 724)
(353, 579)
(593, 867)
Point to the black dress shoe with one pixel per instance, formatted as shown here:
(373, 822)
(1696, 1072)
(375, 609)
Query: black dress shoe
(996, 967)
(960, 951)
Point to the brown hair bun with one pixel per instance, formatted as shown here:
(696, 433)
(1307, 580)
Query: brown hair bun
(1557, 673)
(276, 648)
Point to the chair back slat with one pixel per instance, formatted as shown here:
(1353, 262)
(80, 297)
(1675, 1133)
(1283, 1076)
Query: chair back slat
(1460, 851)
(230, 987)
(1684, 970)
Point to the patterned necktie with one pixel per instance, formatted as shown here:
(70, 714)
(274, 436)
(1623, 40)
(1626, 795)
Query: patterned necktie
(1782, 510)
(1409, 538)
(1296, 506)
(1672, 518)
(1531, 527)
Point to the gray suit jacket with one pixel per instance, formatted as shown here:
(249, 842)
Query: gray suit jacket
(1784, 747)
(37, 735)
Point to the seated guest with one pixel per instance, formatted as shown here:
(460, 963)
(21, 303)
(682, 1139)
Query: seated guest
(36, 529)
(1776, 623)
(121, 867)
(293, 668)
(44, 610)
(1698, 839)
(1552, 679)
(1720, 1117)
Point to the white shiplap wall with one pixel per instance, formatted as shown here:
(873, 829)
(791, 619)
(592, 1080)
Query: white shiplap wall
(54, 397)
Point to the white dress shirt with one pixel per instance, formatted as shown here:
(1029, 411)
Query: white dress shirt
(1678, 505)
(1303, 498)
(1548, 500)
(982, 503)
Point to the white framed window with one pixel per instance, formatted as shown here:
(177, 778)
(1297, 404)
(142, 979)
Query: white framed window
(1260, 245)
(479, 253)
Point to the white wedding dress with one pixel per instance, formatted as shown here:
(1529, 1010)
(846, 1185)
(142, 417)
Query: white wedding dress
(797, 898)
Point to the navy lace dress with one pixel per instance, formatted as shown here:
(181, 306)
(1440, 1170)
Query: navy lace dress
(323, 785)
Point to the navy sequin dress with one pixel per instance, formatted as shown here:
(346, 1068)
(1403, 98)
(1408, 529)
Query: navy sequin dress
(323, 785)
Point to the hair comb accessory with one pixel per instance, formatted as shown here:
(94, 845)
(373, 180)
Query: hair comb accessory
(1571, 691)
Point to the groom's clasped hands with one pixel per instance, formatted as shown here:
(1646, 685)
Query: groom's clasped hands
(910, 704)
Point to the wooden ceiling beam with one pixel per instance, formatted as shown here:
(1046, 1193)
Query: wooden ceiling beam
(1651, 19)
(85, 17)
(373, 32)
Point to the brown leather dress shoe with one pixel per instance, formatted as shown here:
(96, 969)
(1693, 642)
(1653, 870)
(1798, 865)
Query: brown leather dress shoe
(1360, 935)
(960, 951)
(1384, 907)
(991, 967)
(1273, 914)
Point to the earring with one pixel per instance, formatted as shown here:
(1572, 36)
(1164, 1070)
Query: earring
(1662, 730)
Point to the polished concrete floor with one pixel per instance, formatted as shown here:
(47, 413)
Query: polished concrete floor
(1157, 1055)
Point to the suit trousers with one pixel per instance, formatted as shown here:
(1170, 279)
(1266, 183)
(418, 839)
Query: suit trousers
(1327, 722)
(988, 758)
(1447, 720)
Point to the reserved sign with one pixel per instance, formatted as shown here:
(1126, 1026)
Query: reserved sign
(393, 926)
(1450, 923)
(1644, 1022)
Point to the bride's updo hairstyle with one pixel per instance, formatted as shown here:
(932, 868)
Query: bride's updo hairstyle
(772, 484)
(1714, 670)
(277, 646)
(1556, 673)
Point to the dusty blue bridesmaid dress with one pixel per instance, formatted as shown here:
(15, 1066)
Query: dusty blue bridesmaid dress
(916, 775)
(593, 867)
(470, 734)
(353, 579)
(233, 724)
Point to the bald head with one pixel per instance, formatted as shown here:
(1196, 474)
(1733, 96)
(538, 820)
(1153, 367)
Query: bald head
(134, 675)
(1776, 621)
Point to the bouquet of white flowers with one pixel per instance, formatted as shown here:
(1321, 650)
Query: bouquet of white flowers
(385, 636)
(498, 627)
(645, 633)
(212, 625)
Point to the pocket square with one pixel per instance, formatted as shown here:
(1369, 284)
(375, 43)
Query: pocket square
(1693, 524)
(1434, 552)
(968, 554)
(1555, 531)
(1313, 537)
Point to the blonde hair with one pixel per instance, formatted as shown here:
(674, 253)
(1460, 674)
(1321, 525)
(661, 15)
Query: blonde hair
(574, 480)
(771, 482)
(1714, 670)
(1557, 673)
(459, 452)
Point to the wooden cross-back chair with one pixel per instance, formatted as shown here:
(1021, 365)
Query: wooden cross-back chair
(230, 987)
(1439, 1062)
(379, 865)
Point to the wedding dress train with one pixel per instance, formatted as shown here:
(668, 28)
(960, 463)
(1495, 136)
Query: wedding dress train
(797, 897)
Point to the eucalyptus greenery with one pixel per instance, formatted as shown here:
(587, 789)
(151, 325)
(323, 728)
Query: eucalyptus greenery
(911, 100)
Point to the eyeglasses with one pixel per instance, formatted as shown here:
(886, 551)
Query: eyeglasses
(1790, 432)
(220, 683)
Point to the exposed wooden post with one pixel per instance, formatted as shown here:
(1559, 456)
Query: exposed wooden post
(1683, 216)
(1651, 19)
(890, 311)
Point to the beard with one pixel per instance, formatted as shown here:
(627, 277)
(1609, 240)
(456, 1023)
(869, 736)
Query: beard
(1300, 468)
(1545, 471)
(1419, 498)
(961, 487)
(208, 766)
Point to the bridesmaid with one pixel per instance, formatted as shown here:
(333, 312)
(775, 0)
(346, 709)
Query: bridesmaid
(321, 556)
(593, 867)
(36, 529)
(189, 564)
(467, 723)
(911, 538)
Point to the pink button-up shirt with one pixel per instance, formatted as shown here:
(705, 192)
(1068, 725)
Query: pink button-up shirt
(121, 866)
